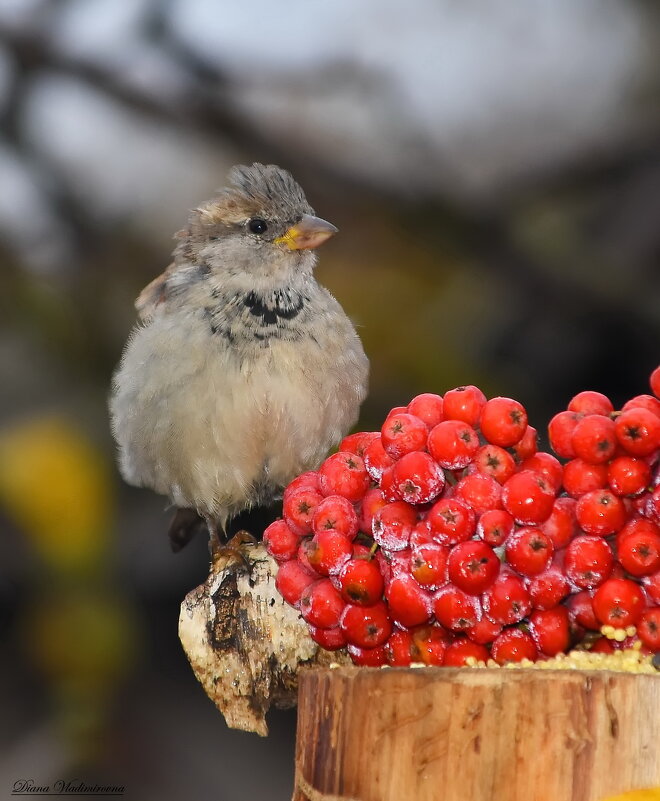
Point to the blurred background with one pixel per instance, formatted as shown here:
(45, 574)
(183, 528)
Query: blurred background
(494, 170)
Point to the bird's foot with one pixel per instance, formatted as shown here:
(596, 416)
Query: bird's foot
(232, 549)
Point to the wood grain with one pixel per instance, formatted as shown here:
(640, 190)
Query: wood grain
(441, 734)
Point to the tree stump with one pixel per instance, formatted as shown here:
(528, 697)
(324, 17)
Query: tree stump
(441, 734)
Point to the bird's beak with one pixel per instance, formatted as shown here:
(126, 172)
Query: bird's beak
(309, 233)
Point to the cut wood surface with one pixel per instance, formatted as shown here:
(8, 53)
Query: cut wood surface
(440, 734)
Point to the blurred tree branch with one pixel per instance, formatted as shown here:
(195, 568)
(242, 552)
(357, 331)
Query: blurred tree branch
(204, 101)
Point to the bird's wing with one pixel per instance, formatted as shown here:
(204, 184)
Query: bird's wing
(153, 294)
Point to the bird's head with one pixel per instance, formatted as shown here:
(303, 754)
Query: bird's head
(261, 225)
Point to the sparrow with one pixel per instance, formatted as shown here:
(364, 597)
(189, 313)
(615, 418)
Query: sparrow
(243, 371)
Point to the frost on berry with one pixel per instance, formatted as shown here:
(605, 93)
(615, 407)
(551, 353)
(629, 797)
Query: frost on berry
(403, 433)
(393, 524)
(450, 521)
(328, 551)
(480, 493)
(376, 460)
(416, 478)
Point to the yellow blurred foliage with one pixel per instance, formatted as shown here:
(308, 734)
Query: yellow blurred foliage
(56, 485)
(652, 794)
(80, 637)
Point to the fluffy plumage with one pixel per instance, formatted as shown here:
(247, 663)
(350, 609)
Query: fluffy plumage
(244, 370)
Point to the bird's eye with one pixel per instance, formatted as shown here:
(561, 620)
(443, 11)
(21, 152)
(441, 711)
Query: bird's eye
(257, 225)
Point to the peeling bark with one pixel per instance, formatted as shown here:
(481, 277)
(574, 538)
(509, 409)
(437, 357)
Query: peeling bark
(245, 644)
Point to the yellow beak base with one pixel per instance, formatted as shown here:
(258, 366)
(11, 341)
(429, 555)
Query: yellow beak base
(309, 233)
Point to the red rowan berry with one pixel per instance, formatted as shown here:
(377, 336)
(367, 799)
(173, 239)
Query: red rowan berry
(455, 609)
(417, 478)
(529, 551)
(495, 526)
(513, 645)
(493, 461)
(366, 626)
(330, 639)
(550, 630)
(638, 431)
(281, 543)
(619, 603)
(589, 402)
(344, 474)
(428, 407)
(588, 561)
(463, 649)
(594, 439)
(560, 432)
(648, 628)
(581, 477)
(335, 513)
(479, 492)
(403, 433)
(547, 465)
(450, 521)
(321, 605)
(472, 566)
(408, 604)
(393, 524)
(453, 444)
(600, 512)
(507, 600)
(360, 582)
(503, 421)
(528, 497)
(357, 443)
(628, 475)
(292, 580)
(464, 403)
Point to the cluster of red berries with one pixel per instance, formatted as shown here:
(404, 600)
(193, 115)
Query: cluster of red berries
(448, 536)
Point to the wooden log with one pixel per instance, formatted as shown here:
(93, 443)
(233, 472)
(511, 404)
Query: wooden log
(441, 734)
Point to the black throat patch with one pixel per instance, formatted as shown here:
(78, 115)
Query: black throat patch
(281, 305)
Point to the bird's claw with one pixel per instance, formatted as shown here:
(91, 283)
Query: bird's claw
(232, 549)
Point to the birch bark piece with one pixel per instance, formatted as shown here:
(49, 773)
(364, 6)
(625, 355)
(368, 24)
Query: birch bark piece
(245, 644)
